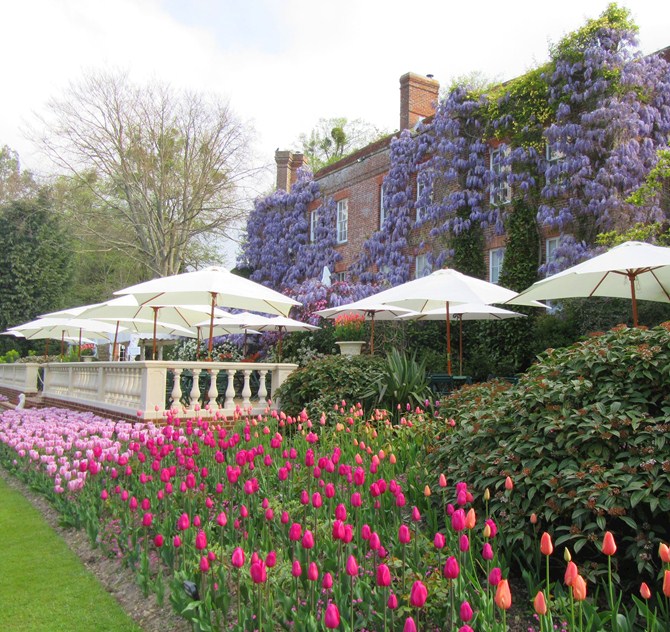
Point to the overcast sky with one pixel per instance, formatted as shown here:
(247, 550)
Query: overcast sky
(283, 64)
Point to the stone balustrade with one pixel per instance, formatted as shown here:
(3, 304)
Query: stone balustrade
(146, 389)
(19, 377)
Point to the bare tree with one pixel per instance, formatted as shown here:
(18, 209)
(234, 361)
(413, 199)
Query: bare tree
(166, 169)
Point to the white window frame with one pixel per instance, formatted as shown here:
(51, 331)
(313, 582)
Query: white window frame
(499, 192)
(550, 248)
(553, 157)
(339, 277)
(343, 221)
(382, 209)
(422, 267)
(496, 262)
(313, 220)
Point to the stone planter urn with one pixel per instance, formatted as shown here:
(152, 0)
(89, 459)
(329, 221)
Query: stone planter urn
(350, 347)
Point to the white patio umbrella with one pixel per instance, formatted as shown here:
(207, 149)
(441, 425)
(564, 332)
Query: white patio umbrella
(634, 270)
(126, 307)
(443, 289)
(371, 309)
(214, 286)
(282, 324)
(60, 328)
(461, 312)
(241, 323)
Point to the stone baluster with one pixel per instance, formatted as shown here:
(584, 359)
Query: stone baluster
(246, 389)
(262, 388)
(213, 392)
(175, 395)
(230, 390)
(195, 389)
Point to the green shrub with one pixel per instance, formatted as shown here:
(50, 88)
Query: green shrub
(321, 384)
(403, 381)
(584, 437)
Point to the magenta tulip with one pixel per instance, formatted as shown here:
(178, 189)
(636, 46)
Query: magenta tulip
(409, 626)
(296, 569)
(200, 541)
(332, 617)
(404, 535)
(383, 575)
(465, 612)
(418, 594)
(451, 568)
(237, 558)
(352, 566)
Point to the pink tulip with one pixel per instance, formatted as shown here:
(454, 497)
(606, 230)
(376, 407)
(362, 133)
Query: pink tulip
(409, 626)
(327, 582)
(183, 522)
(404, 535)
(458, 520)
(341, 512)
(222, 519)
(308, 540)
(418, 594)
(296, 569)
(451, 568)
(352, 566)
(466, 611)
(147, 519)
(383, 575)
(201, 541)
(464, 543)
(487, 552)
(495, 576)
(204, 564)
(237, 558)
(332, 617)
(258, 572)
(416, 515)
(158, 541)
(439, 541)
(392, 602)
(312, 572)
(271, 559)
(295, 532)
(176, 542)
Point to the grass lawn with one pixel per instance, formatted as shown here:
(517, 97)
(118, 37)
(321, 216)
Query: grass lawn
(43, 584)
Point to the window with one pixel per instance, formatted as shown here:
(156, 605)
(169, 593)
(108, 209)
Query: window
(382, 209)
(551, 245)
(420, 191)
(313, 221)
(496, 257)
(339, 277)
(500, 191)
(422, 266)
(342, 221)
(554, 159)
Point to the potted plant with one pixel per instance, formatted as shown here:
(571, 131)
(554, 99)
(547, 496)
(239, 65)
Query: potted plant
(349, 331)
(87, 352)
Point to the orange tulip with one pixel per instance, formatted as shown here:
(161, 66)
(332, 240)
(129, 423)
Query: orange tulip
(546, 546)
(533, 518)
(664, 552)
(392, 459)
(579, 588)
(426, 491)
(570, 573)
(540, 604)
(470, 519)
(644, 591)
(666, 583)
(609, 545)
(503, 596)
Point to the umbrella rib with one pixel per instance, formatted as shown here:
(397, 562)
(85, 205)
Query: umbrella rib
(667, 295)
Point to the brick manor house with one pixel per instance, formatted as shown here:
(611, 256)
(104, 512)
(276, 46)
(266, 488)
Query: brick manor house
(355, 183)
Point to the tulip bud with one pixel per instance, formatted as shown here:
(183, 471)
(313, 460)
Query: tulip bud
(352, 566)
(533, 518)
(540, 604)
(465, 611)
(570, 573)
(664, 553)
(332, 617)
(418, 594)
(509, 484)
(409, 626)
(666, 583)
(503, 596)
(487, 494)
(609, 545)
(546, 546)
(579, 588)
(644, 591)
(426, 491)
(442, 480)
(566, 555)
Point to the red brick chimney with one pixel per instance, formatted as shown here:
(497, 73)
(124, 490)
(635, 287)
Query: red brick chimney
(288, 164)
(418, 96)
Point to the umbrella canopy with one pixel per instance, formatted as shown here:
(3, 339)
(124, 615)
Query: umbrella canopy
(465, 311)
(214, 286)
(371, 309)
(634, 270)
(282, 324)
(126, 309)
(443, 289)
(61, 328)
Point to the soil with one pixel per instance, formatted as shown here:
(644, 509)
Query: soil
(145, 611)
(117, 580)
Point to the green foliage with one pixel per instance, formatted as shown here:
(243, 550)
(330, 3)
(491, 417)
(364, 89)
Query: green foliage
(10, 357)
(403, 381)
(321, 384)
(655, 233)
(583, 435)
(35, 263)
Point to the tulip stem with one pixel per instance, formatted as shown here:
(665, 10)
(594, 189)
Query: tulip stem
(615, 625)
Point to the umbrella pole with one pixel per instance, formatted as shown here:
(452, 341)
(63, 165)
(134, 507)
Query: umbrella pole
(62, 344)
(372, 334)
(79, 350)
(211, 328)
(448, 340)
(46, 350)
(197, 345)
(153, 356)
(460, 345)
(631, 277)
(279, 346)
(116, 337)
